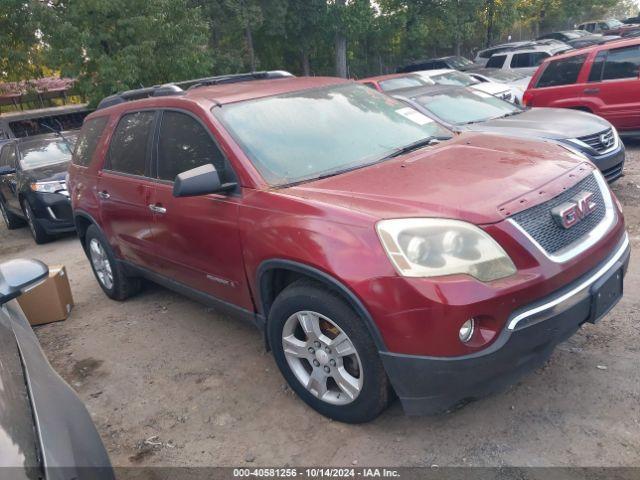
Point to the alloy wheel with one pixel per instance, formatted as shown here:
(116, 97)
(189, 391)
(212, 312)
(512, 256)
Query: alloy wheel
(27, 213)
(322, 357)
(101, 263)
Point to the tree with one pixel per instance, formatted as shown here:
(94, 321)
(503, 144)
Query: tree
(20, 47)
(121, 44)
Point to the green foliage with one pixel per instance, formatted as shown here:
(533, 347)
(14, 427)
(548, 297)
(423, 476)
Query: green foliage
(122, 44)
(118, 44)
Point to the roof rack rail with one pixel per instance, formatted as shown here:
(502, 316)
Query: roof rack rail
(178, 88)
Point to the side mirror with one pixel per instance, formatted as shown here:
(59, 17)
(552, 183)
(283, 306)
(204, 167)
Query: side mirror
(200, 181)
(16, 275)
(7, 170)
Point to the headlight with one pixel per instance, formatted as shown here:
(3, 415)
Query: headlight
(48, 187)
(433, 247)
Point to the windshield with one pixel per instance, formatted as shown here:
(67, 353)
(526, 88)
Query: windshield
(460, 62)
(41, 153)
(572, 35)
(613, 23)
(457, 79)
(466, 106)
(402, 82)
(324, 131)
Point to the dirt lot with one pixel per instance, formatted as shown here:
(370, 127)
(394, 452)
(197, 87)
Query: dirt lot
(169, 382)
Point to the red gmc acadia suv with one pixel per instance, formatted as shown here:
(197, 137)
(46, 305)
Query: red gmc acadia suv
(379, 253)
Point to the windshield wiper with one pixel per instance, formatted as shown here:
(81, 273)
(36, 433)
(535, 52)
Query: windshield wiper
(425, 142)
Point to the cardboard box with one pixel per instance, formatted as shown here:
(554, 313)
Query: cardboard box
(49, 301)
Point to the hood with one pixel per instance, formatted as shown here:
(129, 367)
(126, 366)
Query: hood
(491, 88)
(552, 123)
(48, 173)
(478, 178)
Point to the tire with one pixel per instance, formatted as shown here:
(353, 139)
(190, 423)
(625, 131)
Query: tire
(108, 272)
(11, 220)
(38, 232)
(319, 360)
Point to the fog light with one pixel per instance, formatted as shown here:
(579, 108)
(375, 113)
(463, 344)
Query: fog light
(466, 330)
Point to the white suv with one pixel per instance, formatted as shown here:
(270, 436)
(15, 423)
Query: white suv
(525, 60)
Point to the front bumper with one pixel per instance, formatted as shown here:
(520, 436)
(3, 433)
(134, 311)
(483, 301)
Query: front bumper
(53, 211)
(611, 164)
(429, 385)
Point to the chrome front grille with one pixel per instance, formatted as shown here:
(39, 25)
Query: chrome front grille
(539, 224)
(601, 141)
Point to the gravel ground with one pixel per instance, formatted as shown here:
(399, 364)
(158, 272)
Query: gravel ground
(170, 382)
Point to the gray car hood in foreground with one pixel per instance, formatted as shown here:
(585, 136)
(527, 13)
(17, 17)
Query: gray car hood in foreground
(552, 123)
(68, 444)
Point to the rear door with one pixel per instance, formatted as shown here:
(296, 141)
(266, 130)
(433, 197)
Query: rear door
(8, 183)
(124, 189)
(613, 89)
(197, 238)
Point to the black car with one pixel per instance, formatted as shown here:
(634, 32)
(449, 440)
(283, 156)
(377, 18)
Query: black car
(579, 38)
(455, 62)
(46, 431)
(33, 188)
(467, 110)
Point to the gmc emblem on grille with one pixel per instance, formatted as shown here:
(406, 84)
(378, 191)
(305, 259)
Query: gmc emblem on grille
(569, 213)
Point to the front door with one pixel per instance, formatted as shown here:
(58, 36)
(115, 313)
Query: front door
(197, 238)
(8, 182)
(124, 189)
(614, 86)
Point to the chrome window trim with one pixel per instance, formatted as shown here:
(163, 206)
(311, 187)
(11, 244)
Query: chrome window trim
(574, 291)
(588, 240)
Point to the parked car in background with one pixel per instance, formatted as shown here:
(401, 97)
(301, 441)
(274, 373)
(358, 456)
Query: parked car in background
(33, 187)
(462, 109)
(525, 59)
(455, 62)
(603, 79)
(483, 56)
(462, 79)
(608, 27)
(46, 431)
(374, 248)
(516, 81)
(579, 38)
(395, 81)
(28, 123)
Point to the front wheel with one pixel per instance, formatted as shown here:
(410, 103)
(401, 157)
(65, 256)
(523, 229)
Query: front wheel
(38, 232)
(326, 354)
(108, 272)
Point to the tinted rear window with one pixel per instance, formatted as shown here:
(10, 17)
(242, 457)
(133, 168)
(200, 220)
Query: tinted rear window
(88, 140)
(622, 63)
(497, 61)
(561, 72)
(42, 125)
(595, 75)
(128, 149)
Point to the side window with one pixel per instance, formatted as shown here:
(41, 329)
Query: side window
(561, 72)
(185, 144)
(496, 61)
(603, 26)
(622, 63)
(88, 140)
(520, 60)
(128, 149)
(8, 156)
(595, 75)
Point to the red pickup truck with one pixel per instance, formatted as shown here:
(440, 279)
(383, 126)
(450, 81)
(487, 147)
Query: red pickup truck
(603, 79)
(380, 254)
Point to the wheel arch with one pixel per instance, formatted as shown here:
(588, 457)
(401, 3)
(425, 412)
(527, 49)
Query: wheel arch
(83, 221)
(275, 275)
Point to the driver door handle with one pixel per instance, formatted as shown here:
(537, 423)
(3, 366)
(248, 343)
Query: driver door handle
(155, 208)
(591, 90)
(104, 194)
